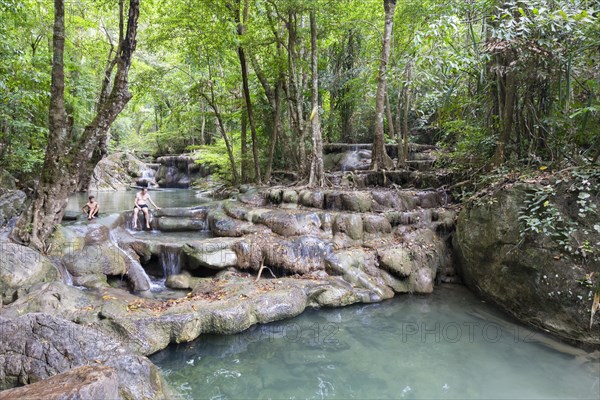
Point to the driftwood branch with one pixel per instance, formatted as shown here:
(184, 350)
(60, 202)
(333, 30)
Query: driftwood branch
(260, 270)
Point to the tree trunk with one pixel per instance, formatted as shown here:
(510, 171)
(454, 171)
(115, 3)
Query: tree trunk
(244, 135)
(295, 98)
(405, 127)
(317, 173)
(380, 157)
(403, 137)
(202, 124)
(219, 123)
(236, 178)
(507, 118)
(244, 67)
(274, 99)
(388, 114)
(65, 156)
(277, 128)
(244, 64)
(101, 150)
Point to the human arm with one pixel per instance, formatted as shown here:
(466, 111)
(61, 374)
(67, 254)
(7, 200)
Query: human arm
(152, 202)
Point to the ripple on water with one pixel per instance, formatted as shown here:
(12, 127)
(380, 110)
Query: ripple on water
(439, 346)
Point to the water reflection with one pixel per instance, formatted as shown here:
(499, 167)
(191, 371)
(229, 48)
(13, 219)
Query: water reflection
(448, 346)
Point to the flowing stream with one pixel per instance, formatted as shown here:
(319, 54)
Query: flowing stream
(449, 345)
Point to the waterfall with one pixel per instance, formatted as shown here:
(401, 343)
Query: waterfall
(65, 275)
(356, 159)
(136, 273)
(170, 262)
(147, 178)
(349, 161)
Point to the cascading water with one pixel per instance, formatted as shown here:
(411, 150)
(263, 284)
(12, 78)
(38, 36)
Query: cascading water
(147, 178)
(170, 262)
(355, 160)
(136, 273)
(65, 275)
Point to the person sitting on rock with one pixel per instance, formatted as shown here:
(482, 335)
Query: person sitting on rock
(140, 204)
(91, 208)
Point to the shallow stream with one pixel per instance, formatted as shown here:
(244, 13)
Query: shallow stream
(115, 202)
(449, 345)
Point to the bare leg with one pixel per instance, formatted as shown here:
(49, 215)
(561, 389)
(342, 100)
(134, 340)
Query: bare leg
(147, 216)
(95, 212)
(135, 217)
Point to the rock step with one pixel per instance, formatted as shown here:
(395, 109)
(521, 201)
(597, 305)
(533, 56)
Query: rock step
(402, 178)
(356, 200)
(360, 159)
(391, 148)
(87, 382)
(420, 165)
(286, 238)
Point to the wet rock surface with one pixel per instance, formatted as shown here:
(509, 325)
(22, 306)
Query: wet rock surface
(88, 382)
(21, 269)
(532, 278)
(118, 171)
(313, 248)
(12, 200)
(179, 171)
(37, 346)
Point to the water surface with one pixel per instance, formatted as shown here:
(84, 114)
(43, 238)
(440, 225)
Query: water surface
(118, 201)
(448, 345)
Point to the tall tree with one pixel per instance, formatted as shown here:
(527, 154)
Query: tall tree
(67, 155)
(380, 158)
(317, 173)
(295, 84)
(241, 28)
(212, 102)
(402, 139)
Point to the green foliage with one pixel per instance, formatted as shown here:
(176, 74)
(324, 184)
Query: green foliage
(460, 54)
(215, 156)
(468, 145)
(540, 214)
(24, 73)
(25, 55)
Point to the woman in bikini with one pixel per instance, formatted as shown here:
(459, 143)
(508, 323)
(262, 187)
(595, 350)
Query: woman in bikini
(141, 199)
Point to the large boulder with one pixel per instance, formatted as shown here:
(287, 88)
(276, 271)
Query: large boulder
(543, 279)
(12, 203)
(287, 223)
(214, 253)
(90, 266)
(37, 346)
(87, 382)
(20, 269)
(179, 171)
(89, 255)
(359, 268)
(346, 226)
(7, 181)
(118, 171)
(297, 255)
